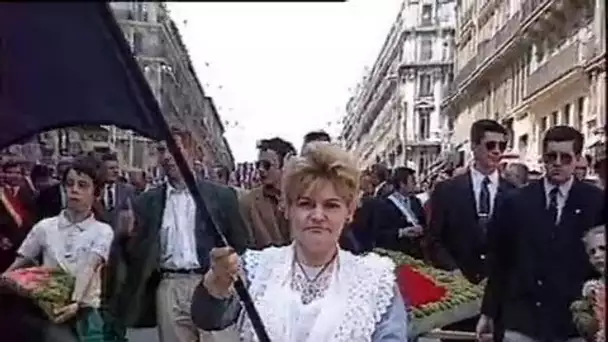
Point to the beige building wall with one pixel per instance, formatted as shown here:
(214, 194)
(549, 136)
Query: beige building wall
(527, 65)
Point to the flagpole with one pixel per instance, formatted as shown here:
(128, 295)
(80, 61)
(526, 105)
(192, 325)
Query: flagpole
(172, 146)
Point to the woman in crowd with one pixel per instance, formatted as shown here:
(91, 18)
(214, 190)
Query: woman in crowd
(310, 290)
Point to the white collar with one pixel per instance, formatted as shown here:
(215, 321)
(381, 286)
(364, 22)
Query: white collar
(564, 188)
(171, 190)
(476, 175)
(63, 221)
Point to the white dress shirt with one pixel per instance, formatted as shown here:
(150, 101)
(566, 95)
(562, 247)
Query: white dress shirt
(178, 243)
(106, 197)
(562, 194)
(477, 181)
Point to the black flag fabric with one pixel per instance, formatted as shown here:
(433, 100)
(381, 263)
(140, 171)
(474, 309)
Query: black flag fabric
(65, 64)
(61, 66)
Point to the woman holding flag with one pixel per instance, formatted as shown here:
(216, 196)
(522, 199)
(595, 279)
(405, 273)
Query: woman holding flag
(310, 290)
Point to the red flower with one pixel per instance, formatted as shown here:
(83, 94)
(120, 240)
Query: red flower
(418, 289)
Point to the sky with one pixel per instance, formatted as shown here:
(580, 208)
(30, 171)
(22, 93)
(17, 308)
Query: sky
(281, 69)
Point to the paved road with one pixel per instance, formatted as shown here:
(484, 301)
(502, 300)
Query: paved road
(142, 335)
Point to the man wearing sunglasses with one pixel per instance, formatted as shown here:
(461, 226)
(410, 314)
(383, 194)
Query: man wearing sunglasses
(260, 206)
(462, 205)
(537, 263)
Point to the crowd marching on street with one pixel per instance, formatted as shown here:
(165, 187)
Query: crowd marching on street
(302, 245)
(527, 237)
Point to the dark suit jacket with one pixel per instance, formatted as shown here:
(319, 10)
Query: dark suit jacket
(124, 194)
(135, 302)
(455, 238)
(364, 226)
(48, 202)
(391, 220)
(537, 268)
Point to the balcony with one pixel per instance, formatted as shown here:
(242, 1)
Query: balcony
(531, 7)
(557, 66)
(466, 18)
(466, 71)
(490, 47)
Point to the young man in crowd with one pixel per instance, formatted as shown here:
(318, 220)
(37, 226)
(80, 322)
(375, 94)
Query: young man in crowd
(462, 206)
(314, 136)
(537, 261)
(402, 220)
(260, 207)
(380, 174)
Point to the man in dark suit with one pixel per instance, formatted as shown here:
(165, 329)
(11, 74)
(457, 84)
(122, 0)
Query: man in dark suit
(360, 235)
(403, 222)
(168, 252)
(116, 198)
(380, 179)
(50, 201)
(537, 260)
(462, 206)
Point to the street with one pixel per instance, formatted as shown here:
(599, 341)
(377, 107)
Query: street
(142, 335)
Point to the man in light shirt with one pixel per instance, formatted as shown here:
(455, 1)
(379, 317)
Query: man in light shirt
(168, 253)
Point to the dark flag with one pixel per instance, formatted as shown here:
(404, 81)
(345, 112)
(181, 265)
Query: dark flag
(66, 64)
(60, 66)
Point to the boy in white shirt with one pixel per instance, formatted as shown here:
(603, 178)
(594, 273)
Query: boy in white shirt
(75, 242)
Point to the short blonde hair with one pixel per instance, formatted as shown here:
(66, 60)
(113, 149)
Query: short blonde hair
(321, 162)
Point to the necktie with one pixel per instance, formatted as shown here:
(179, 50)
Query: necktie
(484, 198)
(110, 204)
(553, 210)
(484, 203)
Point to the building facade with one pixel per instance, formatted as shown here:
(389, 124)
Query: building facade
(394, 116)
(530, 64)
(158, 47)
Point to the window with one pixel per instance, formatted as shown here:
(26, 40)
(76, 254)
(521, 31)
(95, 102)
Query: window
(554, 118)
(508, 124)
(522, 144)
(138, 40)
(143, 12)
(424, 85)
(591, 124)
(580, 106)
(445, 51)
(544, 124)
(566, 115)
(426, 49)
(422, 162)
(424, 124)
(427, 15)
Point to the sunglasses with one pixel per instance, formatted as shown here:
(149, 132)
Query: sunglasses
(552, 157)
(263, 165)
(595, 250)
(492, 145)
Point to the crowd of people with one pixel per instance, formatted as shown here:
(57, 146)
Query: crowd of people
(302, 237)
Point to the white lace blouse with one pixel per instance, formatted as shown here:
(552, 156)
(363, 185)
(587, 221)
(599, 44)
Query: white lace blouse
(360, 303)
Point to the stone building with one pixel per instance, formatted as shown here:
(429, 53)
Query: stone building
(158, 47)
(394, 115)
(530, 64)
